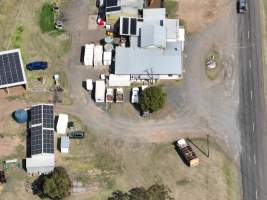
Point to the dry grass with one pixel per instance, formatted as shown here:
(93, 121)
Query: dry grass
(20, 29)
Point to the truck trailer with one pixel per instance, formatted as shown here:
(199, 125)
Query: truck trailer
(100, 91)
(187, 153)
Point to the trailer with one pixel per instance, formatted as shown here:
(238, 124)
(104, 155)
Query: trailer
(107, 58)
(100, 91)
(187, 153)
(98, 55)
(88, 54)
(119, 95)
(109, 95)
(89, 84)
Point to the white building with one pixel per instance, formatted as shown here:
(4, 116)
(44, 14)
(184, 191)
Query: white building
(42, 158)
(65, 144)
(62, 123)
(156, 47)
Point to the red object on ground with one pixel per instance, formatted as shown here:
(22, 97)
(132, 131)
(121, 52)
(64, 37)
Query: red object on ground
(101, 22)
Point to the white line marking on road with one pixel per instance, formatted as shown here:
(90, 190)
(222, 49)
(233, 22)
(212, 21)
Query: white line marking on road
(255, 161)
(248, 34)
(253, 126)
(251, 94)
(256, 193)
(250, 64)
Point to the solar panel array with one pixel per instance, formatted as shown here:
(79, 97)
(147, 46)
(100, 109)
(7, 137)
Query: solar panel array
(10, 69)
(36, 140)
(42, 129)
(48, 141)
(112, 6)
(48, 116)
(128, 26)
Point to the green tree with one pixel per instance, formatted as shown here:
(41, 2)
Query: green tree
(154, 192)
(152, 99)
(56, 185)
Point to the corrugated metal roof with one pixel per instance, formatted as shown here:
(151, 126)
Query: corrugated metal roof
(153, 35)
(154, 13)
(65, 142)
(159, 61)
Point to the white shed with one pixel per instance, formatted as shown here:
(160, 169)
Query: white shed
(88, 54)
(100, 91)
(119, 80)
(62, 123)
(107, 58)
(98, 55)
(65, 144)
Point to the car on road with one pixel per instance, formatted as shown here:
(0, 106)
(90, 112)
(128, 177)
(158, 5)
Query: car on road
(242, 6)
(37, 65)
(135, 95)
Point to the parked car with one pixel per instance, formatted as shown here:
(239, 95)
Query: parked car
(135, 95)
(76, 135)
(38, 65)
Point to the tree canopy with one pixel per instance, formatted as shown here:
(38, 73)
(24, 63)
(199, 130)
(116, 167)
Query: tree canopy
(154, 192)
(152, 99)
(56, 185)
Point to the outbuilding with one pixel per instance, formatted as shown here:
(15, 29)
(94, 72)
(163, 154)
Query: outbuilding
(65, 144)
(62, 123)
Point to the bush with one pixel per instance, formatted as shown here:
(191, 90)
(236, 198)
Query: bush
(56, 185)
(155, 192)
(47, 18)
(152, 99)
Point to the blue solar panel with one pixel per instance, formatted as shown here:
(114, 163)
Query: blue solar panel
(10, 69)
(48, 141)
(48, 116)
(36, 114)
(36, 140)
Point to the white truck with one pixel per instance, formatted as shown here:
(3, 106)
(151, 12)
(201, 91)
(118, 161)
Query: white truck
(98, 55)
(119, 95)
(109, 95)
(135, 95)
(100, 91)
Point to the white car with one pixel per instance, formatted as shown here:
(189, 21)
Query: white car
(135, 95)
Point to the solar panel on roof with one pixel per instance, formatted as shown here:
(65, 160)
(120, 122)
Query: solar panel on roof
(133, 26)
(36, 114)
(36, 140)
(10, 69)
(48, 141)
(113, 9)
(125, 26)
(48, 116)
(42, 129)
(110, 3)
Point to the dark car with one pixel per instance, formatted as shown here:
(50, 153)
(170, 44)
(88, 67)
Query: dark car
(38, 65)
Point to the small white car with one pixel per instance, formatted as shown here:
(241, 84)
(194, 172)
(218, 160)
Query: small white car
(135, 95)
(89, 84)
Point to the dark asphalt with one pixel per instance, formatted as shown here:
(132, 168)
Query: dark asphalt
(252, 107)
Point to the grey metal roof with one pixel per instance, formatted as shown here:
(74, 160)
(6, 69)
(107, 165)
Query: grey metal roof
(65, 142)
(153, 35)
(159, 61)
(154, 13)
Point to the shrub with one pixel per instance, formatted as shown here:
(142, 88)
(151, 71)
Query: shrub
(56, 185)
(152, 99)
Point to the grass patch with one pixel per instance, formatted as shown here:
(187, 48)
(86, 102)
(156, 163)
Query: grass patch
(17, 37)
(171, 8)
(47, 18)
(212, 73)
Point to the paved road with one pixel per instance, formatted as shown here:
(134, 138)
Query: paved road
(254, 143)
